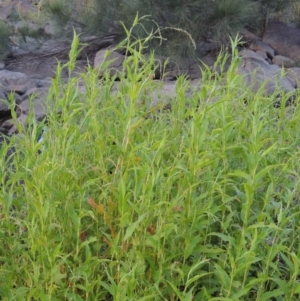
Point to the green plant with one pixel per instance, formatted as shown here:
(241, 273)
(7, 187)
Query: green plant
(200, 202)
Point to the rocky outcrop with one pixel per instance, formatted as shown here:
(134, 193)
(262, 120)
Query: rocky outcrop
(257, 72)
(284, 39)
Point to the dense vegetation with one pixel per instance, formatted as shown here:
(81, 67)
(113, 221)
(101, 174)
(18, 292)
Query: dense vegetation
(127, 202)
(205, 20)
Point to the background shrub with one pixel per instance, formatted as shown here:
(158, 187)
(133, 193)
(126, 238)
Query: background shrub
(212, 21)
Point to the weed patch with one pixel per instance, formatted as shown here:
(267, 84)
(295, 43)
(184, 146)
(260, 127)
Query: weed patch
(200, 203)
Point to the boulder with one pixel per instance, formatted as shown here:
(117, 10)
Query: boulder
(37, 104)
(163, 94)
(257, 72)
(9, 128)
(248, 36)
(293, 74)
(15, 82)
(114, 58)
(50, 28)
(283, 61)
(284, 39)
(4, 111)
(39, 110)
(263, 54)
(37, 68)
(43, 83)
(36, 92)
(261, 47)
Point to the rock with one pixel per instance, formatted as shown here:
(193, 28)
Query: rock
(114, 67)
(9, 128)
(284, 39)
(162, 94)
(263, 54)
(257, 71)
(37, 68)
(4, 110)
(259, 46)
(293, 74)
(39, 111)
(34, 99)
(15, 82)
(15, 97)
(36, 92)
(283, 61)
(50, 28)
(37, 104)
(5, 12)
(165, 92)
(194, 71)
(44, 47)
(173, 70)
(43, 83)
(251, 60)
(248, 36)
(191, 68)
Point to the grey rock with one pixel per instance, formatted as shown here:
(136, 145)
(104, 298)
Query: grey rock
(15, 81)
(259, 46)
(5, 12)
(14, 97)
(248, 36)
(43, 83)
(284, 39)
(36, 68)
(263, 54)
(283, 61)
(162, 94)
(114, 67)
(4, 110)
(257, 72)
(36, 92)
(39, 111)
(51, 28)
(9, 127)
(293, 74)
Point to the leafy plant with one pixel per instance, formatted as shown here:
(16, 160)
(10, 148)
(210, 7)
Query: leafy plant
(127, 201)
